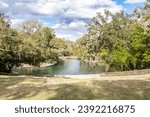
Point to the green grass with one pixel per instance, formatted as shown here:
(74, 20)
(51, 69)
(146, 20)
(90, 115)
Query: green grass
(72, 89)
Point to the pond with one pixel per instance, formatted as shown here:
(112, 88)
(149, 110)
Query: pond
(67, 67)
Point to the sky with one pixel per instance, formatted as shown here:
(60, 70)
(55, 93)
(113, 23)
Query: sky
(67, 17)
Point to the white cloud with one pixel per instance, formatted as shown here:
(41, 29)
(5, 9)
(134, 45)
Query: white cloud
(88, 9)
(70, 15)
(67, 36)
(73, 26)
(72, 31)
(76, 25)
(3, 5)
(64, 8)
(134, 1)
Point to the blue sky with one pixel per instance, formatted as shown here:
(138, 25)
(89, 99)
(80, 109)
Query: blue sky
(67, 17)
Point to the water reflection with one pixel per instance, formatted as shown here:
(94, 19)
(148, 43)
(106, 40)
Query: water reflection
(67, 67)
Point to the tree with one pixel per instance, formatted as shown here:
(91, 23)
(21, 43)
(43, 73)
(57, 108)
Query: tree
(37, 44)
(9, 46)
(105, 34)
(30, 45)
(120, 40)
(30, 26)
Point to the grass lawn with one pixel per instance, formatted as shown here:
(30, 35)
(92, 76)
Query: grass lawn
(65, 89)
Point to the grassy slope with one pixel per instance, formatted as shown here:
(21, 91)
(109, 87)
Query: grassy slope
(58, 88)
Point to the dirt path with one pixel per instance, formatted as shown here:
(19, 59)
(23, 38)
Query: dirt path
(114, 77)
(91, 77)
(127, 77)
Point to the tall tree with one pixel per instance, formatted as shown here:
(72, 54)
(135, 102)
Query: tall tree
(120, 40)
(9, 46)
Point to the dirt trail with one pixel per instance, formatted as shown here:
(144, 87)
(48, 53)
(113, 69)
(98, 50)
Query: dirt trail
(127, 77)
(90, 77)
(114, 77)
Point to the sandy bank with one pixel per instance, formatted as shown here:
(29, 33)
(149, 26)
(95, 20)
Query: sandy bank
(100, 77)
(84, 76)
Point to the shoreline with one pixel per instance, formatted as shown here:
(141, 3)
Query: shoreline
(50, 64)
(84, 77)
(69, 57)
(99, 77)
(41, 66)
(133, 75)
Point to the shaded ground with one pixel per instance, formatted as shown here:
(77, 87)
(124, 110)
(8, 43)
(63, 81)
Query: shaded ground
(66, 89)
